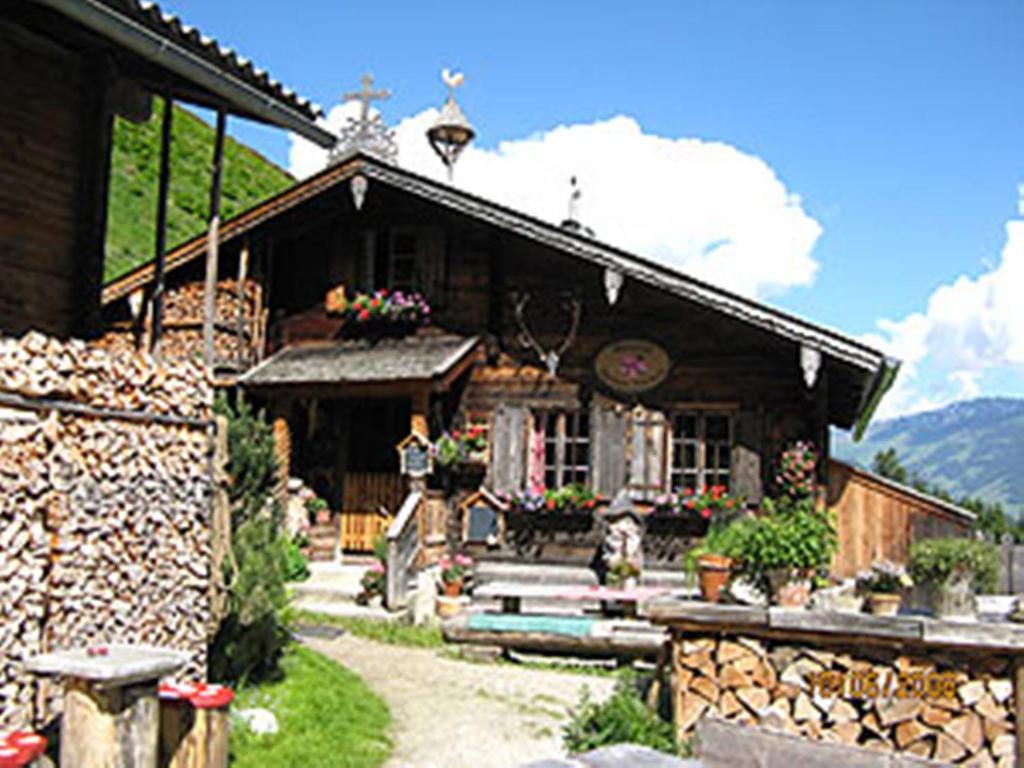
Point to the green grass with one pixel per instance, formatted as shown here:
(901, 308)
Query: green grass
(390, 632)
(326, 717)
(134, 168)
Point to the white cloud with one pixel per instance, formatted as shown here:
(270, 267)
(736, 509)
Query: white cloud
(970, 327)
(704, 207)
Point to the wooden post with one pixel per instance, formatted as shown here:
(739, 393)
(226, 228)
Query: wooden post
(212, 242)
(161, 225)
(116, 727)
(243, 270)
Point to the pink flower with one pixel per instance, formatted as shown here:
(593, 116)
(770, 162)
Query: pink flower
(377, 567)
(464, 560)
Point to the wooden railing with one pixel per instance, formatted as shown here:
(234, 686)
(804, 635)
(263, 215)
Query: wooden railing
(403, 537)
(369, 500)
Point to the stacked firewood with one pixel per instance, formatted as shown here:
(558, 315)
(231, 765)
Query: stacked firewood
(186, 302)
(183, 323)
(36, 366)
(104, 520)
(745, 680)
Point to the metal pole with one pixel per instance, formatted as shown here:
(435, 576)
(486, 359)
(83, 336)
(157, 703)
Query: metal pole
(161, 225)
(212, 243)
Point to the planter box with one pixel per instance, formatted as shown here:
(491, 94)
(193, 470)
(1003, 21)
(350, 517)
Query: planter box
(575, 538)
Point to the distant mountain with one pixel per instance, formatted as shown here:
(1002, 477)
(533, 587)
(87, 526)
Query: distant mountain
(971, 448)
(248, 178)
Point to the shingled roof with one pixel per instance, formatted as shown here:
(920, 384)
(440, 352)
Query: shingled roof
(420, 358)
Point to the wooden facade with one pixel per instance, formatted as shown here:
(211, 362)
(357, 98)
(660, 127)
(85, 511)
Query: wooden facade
(733, 396)
(55, 133)
(879, 519)
(66, 69)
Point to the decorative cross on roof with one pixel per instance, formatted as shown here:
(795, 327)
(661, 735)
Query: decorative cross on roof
(366, 95)
(365, 133)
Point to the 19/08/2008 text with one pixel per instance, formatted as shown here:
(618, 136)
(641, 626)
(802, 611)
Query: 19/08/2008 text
(870, 684)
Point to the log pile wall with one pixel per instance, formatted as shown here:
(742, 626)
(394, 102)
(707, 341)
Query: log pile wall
(105, 505)
(950, 706)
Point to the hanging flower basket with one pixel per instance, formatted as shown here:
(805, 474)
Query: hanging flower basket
(378, 315)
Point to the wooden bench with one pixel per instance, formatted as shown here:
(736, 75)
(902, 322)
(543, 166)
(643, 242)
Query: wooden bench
(513, 593)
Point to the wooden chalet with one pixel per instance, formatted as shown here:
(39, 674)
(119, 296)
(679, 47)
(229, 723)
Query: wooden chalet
(584, 363)
(66, 68)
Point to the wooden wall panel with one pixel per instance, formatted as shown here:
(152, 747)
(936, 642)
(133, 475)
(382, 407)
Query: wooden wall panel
(49, 143)
(877, 521)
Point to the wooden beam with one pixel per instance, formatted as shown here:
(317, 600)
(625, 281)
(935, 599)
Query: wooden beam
(161, 225)
(243, 274)
(212, 241)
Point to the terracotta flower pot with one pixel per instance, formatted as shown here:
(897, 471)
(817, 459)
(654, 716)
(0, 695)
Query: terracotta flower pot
(453, 588)
(884, 603)
(715, 571)
(323, 517)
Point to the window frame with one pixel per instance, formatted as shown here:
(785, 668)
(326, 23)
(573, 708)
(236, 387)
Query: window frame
(560, 430)
(704, 476)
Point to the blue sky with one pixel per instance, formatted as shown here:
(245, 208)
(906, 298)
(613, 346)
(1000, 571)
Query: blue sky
(900, 125)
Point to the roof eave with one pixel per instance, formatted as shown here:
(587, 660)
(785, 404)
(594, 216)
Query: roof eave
(239, 95)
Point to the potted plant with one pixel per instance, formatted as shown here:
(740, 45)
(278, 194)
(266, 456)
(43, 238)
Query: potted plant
(460, 456)
(373, 583)
(882, 584)
(454, 571)
(953, 570)
(319, 510)
(715, 557)
(623, 574)
(786, 547)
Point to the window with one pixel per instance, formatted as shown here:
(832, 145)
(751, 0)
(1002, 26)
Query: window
(701, 450)
(403, 264)
(566, 440)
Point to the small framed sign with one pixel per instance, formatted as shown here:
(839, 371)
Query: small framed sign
(483, 518)
(632, 365)
(414, 456)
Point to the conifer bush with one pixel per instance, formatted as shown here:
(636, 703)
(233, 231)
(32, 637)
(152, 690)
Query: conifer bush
(251, 638)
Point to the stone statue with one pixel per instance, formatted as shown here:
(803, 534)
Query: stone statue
(623, 534)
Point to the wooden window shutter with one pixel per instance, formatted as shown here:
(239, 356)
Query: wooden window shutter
(748, 447)
(648, 453)
(608, 433)
(508, 448)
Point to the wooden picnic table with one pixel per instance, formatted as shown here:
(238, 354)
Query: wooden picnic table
(512, 593)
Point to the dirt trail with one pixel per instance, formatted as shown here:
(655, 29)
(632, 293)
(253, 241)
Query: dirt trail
(457, 714)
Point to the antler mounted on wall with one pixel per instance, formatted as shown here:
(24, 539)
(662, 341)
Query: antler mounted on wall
(550, 357)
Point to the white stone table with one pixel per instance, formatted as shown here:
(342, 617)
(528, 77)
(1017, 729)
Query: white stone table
(111, 711)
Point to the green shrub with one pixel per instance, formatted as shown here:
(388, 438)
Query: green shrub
(935, 561)
(251, 638)
(623, 718)
(726, 540)
(791, 535)
(296, 566)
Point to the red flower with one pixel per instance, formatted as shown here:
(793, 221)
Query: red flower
(364, 314)
(728, 504)
(589, 503)
(375, 302)
(550, 504)
(705, 513)
(383, 291)
(690, 504)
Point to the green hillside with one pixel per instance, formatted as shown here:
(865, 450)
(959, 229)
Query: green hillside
(974, 448)
(135, 164)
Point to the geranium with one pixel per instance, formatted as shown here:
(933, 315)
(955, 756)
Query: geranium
(382, 306)
(795, 475)
(569, 498)
(709, 503)
(884, 576)
(454, 569)
(374, 580)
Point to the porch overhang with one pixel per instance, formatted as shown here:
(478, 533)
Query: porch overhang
(361, 367)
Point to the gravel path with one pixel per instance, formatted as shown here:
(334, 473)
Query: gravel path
(457, 714)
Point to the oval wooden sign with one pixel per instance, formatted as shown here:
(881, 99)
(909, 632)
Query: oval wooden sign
(632, 365)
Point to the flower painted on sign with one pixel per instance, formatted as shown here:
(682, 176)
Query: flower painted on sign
(632, 366)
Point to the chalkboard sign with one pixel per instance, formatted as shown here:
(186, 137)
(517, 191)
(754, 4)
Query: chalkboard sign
(482, 523)
(414, 456)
